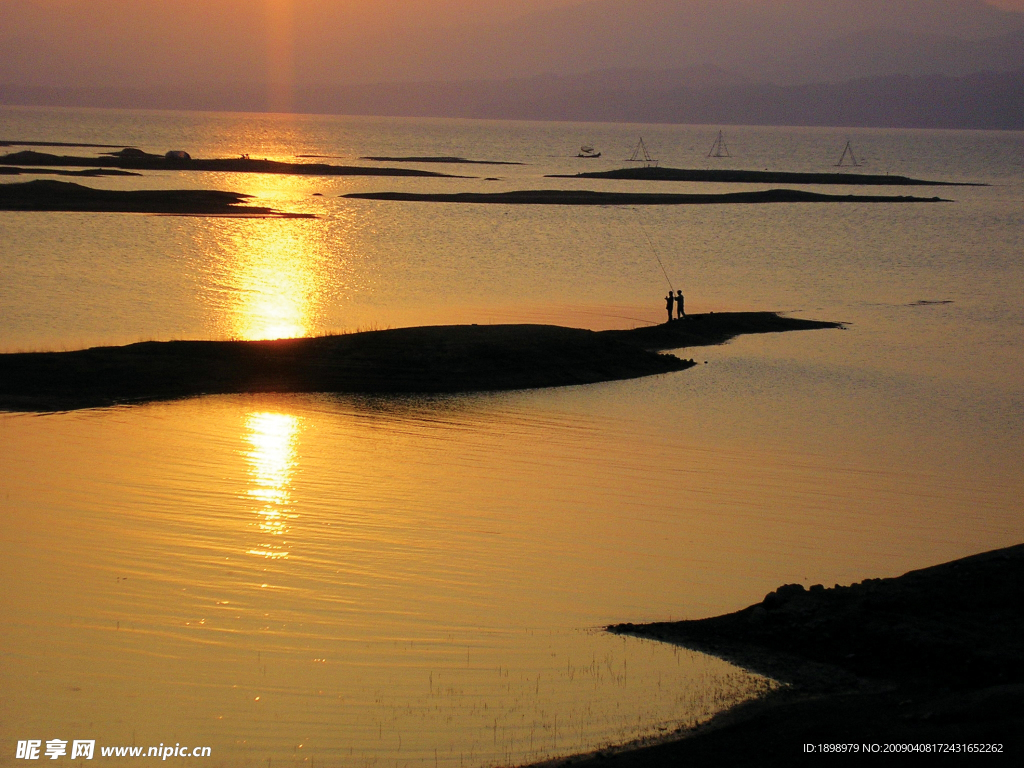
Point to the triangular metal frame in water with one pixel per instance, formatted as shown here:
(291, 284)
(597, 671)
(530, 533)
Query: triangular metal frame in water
(641, 155)
(719, 148)
(848, 150)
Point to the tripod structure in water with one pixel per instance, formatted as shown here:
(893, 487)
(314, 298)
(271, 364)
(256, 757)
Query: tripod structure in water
(719, 148)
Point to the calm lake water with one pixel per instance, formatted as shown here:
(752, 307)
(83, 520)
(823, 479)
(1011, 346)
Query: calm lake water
(421, 581)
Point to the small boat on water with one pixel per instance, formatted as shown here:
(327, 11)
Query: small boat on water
(587, 151)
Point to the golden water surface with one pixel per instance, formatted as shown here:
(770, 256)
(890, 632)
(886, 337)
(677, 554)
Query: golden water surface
(422, 581)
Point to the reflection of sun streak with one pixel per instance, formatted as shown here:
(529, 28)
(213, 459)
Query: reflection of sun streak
(278, 284)
(274, 278)
(271, 459)
(277, 311)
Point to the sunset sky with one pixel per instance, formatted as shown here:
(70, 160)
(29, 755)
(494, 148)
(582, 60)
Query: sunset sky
(99, 43)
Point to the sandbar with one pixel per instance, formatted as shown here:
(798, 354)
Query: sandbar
(438, 159)
(142, 161)
(51, 195)
(431, 359)
(13, 170)
(585, 197)
(19, 143)
(656, 173)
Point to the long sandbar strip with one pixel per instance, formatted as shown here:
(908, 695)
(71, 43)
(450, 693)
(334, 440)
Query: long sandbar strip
(147, 162)
(448, 159)
(586, 197)
(19, 143)
(13, 170)
(723, 176)
(433, 359)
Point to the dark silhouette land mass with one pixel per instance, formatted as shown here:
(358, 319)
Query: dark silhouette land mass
(935, 656)
(584, 197)
(143, 161)
(435, 359)
(20, 143)
(438, 159)
(50, 195)
(657, 173)
(13, 170)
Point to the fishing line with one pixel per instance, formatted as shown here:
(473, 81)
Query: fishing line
(653, 249)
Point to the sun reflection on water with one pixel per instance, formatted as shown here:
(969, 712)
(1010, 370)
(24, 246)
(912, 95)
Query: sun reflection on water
(276, 284)
(272, 438)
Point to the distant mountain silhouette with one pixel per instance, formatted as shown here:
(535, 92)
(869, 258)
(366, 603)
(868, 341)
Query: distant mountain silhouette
(893, 52)
(745, 36)
(981, 100)
(942, 63)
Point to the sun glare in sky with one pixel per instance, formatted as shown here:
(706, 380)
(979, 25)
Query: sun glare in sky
(280, 54)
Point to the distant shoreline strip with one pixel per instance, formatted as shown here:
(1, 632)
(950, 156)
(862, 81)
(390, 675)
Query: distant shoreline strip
(578, 197)
(730, 176)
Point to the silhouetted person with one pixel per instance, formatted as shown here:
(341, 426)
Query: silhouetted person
(680, 312)
(668, 305)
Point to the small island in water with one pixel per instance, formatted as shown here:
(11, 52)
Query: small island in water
(133, 159)
(433, 359)
(51, 195)
(587, 197)
(725, 176)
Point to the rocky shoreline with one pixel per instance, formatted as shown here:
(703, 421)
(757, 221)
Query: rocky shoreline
(933, 657)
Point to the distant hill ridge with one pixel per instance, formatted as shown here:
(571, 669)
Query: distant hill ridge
(990, 101)
(716, 61)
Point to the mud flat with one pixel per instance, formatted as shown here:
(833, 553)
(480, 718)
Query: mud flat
(933, 657)
(582, 197)
(49, 195)
(433, 359)
(759, 177)
(142, 161)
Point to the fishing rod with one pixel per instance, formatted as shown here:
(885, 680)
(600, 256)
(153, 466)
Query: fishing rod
(654, 250)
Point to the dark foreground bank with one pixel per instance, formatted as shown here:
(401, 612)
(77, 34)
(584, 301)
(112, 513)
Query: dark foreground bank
(437, 359)
(934, 657)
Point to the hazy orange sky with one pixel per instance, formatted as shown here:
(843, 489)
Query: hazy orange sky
(140, 43)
